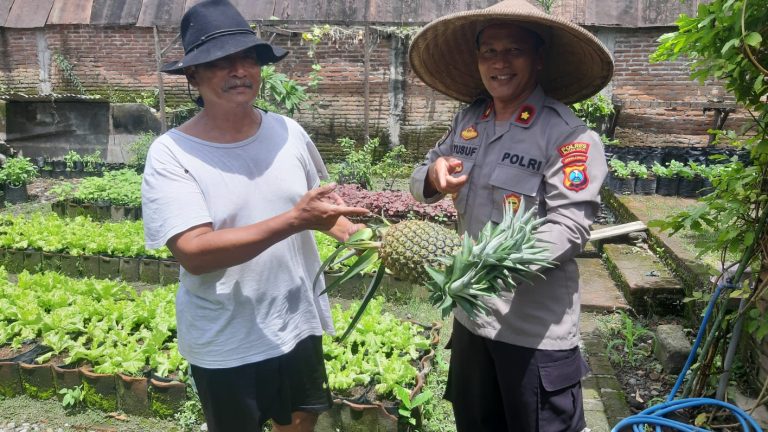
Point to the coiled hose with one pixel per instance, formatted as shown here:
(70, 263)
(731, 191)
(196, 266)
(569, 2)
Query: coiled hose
(654, 416)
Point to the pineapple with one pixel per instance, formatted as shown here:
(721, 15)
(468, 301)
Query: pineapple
(457, 272)
(410, 247)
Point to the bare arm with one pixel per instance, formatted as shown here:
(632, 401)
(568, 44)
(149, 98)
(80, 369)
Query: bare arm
(201, 249)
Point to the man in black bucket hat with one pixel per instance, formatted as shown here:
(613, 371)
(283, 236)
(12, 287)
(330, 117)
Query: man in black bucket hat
(233, 193)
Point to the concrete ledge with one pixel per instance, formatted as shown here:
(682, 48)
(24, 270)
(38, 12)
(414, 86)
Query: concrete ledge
(644, 280)
(692, 273)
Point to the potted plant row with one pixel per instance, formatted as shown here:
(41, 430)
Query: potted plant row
(82, 247)
(15, 174)
(132, 363)
(83, 352)
(71, 165)
(673, 179)
(116, 195)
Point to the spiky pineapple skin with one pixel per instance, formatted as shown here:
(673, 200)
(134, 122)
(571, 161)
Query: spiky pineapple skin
(408, 246)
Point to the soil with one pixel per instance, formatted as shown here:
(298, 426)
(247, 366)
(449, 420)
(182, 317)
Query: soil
(641, 376)
(40, 189)
(7, 353)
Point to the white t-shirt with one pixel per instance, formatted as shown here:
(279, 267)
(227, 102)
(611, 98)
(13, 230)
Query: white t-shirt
(262, 308)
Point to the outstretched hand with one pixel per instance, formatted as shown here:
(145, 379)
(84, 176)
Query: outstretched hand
(441, 175)
(320, 209)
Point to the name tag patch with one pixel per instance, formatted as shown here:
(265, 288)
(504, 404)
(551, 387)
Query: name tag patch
(521, 161)
(467, 151)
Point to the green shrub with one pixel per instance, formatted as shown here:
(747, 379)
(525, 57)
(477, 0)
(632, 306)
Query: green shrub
(139, 148)
(619, 168)
(121, 187)
(594, 110)
(661, 171)
(357, 166)
(279, 93)
(637, 169)
(18, 171)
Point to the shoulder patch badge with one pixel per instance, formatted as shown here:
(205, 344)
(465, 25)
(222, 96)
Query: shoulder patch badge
(513, 199)
(574, 152)
(574, 156)
(576, 178)
(469, 133)
(526, 114)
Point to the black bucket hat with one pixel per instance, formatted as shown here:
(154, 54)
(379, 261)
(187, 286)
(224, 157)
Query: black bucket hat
(213, 29)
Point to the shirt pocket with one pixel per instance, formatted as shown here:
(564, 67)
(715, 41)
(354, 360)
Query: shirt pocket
(460, 201)
(508, 183)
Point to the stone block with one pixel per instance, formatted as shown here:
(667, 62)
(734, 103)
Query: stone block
(671, 347)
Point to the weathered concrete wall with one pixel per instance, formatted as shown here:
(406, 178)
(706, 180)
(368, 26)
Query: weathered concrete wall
(51, 129)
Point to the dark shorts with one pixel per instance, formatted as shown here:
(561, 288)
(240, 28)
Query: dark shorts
(243, 398)
(495, 386)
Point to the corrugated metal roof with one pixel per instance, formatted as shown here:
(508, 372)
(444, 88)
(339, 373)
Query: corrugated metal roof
(115, 12)
(167, 13)
(5, 9)
(29, 13)
(68, 97)
(147, 13)
(161, 13)
(70, 12)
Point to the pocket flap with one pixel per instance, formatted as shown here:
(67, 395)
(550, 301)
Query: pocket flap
(516, 180)
(563, 373)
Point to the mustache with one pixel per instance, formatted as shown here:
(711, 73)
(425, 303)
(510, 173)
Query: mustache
(233, 83)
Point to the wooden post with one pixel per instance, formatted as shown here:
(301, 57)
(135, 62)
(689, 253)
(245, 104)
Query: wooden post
(161, 88)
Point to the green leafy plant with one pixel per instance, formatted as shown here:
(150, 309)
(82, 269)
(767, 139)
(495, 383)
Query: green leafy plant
(594, 111)
(120, 187)
(139, 148)
(680, 169)
(18, 171)
(68, 72)
(618, 168)
(73, 397)
(91, 161)
(76, 236)
(280, 93)
(391, 166)
(625, 334)
(357, 166)
(660, 170)
(190, 417)
(381, 353)
(70, 158)
(637, 169)
(408, 404)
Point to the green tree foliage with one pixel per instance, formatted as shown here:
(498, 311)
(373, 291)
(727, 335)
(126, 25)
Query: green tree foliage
(728, 41)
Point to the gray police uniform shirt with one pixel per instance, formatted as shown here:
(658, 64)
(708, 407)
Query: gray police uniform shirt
(546, 158)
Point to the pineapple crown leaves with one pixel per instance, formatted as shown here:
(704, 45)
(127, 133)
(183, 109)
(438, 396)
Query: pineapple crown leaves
(503, 254)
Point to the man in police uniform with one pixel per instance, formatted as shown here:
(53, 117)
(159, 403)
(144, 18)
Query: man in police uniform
(518, 368)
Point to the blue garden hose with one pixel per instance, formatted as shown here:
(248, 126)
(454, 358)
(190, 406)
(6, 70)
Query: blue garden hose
(654, 416)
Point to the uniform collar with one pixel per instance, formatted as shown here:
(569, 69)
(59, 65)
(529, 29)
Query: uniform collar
(527, 112)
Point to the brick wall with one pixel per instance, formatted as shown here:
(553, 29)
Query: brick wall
(659, 101)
